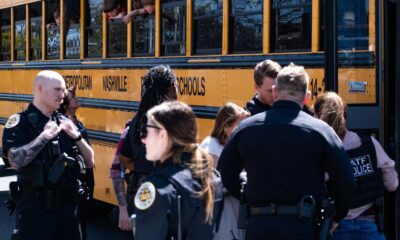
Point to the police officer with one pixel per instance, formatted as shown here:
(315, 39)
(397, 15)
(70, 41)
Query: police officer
(372, 167)
(38, 143)
(286, 153)
(182, 198)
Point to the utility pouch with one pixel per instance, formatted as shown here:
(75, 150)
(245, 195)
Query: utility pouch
(14, 191)
(306, 208)
(55, 148)
(57, 169)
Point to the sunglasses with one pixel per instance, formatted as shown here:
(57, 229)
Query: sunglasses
(143, 129)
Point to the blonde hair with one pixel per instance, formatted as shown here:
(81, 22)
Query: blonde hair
(179, 121)
(330, 108)
(227, 115)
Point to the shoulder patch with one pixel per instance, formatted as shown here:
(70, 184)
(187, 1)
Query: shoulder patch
(145, 196)
(12, 121)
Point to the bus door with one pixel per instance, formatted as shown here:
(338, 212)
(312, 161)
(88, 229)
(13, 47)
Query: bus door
(391, 121)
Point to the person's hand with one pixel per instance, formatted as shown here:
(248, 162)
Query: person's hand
(69, 127)
(51, 130)
(334, 226)
(124, 221)
(126, 19)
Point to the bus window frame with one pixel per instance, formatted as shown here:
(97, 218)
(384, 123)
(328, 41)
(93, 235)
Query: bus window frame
(23, 48)
(205, 51)
(231, 33)
(175, 3)
(8, 27)
(273, 26)
(31, 48)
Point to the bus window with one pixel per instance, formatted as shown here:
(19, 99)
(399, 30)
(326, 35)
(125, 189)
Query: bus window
(207, 26)
(173, 27)
(94, 29)
(117, 34)
(53, 29)
(246, 29)
(20, 33)
(291, 25)
(143, 36)
(35, 14)
(72, 10)
(5, 24)
(353, 24)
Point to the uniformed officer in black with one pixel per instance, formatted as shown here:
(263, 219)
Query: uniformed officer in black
(286, 153)
(35, 142)
(182, 198)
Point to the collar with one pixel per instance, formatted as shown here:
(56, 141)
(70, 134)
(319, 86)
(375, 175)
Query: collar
(286, 104)
(33, 109)
(258, 102)
(185, 157)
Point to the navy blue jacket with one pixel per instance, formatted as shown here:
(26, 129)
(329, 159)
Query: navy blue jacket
(159, 221)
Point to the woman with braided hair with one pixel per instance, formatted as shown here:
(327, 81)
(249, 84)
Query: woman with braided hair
(159, 85)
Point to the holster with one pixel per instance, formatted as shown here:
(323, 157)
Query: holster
(327, 211)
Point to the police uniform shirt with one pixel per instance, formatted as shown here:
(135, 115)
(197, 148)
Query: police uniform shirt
(19, 131)
(256, 106)
(156, 205)
(285, 152)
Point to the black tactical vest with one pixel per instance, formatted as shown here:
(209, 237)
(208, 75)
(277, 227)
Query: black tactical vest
(368, 176)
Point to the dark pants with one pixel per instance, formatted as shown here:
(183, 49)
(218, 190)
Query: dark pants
(33, 222)
(279, 227)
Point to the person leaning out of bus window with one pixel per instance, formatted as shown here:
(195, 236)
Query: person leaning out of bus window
(182, 198)
(227, 119)
(140, 7)
(115, 9)
(69, 107)
(372, 168)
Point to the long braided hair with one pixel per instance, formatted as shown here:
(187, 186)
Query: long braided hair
(155, 88)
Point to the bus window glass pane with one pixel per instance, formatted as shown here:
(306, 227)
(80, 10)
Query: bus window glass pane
(353, 24)
(53, 29)
(35, 13)
(5, 17)
(143, 36)
(246, 21)
(94, 29)
(72, 27)
(20, 33)
(117, 33)
(291, 25)
(241, 6)
(207, 26)
(173, 28)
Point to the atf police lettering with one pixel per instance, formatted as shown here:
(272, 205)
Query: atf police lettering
(84, 82)
(115, 83)
(192, 86)
(361, 166)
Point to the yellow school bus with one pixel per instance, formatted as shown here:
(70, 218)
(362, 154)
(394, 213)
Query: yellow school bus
(212, 45)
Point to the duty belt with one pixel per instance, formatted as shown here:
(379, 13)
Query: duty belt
(273, 209)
